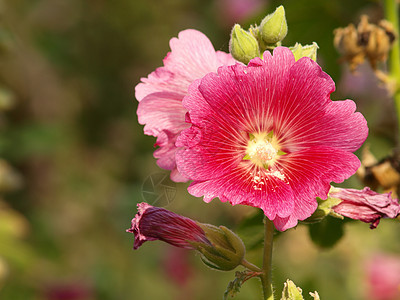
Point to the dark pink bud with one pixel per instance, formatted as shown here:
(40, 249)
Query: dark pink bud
(155, 223)
(365, 205)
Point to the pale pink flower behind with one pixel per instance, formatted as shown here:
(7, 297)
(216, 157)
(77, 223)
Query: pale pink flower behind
(160, 94)
(177, 267)
(383, 277)
(68, 291)
(365, 205)
(238, 11)
(268, 135)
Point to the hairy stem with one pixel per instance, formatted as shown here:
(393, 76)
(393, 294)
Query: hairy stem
(267, 260)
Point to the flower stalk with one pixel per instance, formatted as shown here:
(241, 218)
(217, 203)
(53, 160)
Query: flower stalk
(266, 280)
(391, 12)
(250, 266)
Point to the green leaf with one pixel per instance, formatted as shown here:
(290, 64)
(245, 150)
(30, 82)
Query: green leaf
(327, 233)
(291, 291)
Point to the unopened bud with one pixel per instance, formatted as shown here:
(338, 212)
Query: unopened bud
(243, 45)
(226, 251)
(273, 28)
(300, 51)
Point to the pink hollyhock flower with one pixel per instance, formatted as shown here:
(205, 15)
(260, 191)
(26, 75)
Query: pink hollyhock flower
(267, 135)
(160, 94)
(383, 277)
(365, 205)
(154, 223)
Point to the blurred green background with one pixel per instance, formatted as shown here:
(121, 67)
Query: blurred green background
(75, 160)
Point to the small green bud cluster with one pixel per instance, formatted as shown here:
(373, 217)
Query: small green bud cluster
(244, 45)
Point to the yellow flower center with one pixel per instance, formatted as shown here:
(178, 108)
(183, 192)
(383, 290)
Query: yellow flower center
(262, 149)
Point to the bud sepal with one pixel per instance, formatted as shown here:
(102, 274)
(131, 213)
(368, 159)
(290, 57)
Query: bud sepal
(226, 251)
(300, 51)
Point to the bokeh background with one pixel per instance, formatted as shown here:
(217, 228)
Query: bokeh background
(75, 162)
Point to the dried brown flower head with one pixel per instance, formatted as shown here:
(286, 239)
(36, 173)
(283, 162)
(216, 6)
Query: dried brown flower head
(367, 41)
(383, 174)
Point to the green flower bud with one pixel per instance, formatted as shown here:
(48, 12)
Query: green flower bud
(243, 45)
(300, 51)
(226, 251)
(273, 28)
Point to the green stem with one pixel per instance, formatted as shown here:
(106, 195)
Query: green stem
(250, 266)
(267, 260)
(392, 15)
